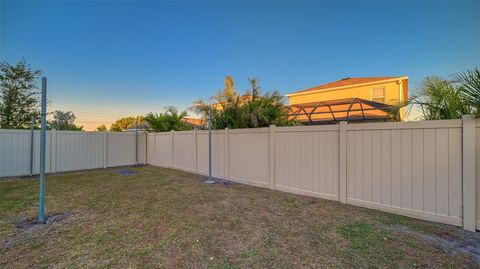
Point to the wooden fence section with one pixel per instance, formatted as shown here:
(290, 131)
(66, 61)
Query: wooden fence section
(415, 169)
(68, 151)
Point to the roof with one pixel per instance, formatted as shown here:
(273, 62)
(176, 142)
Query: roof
(342, 109)
(346, 82)
(194, 122)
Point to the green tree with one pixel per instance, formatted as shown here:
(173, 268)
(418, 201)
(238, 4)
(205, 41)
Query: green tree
(125, 123)
(441, 99)
(64, 120)
(251, 110)
(102, 128)
(19, 98)
(170, 120)
(469, 82)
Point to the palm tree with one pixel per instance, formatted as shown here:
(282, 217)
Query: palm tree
(251, 110)
(469, 82)
(170, 120)
(441, 99)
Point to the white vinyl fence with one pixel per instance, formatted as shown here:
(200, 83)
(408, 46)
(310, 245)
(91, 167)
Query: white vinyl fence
(416, 169)
(425, 170)
(68, 151)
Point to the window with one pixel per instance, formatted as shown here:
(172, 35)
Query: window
(378, 95)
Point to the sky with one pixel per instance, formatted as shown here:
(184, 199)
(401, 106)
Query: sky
(109, 59)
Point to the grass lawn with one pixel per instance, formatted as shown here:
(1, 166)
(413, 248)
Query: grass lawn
(166, 218)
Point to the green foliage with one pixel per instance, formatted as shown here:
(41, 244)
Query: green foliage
(469, 82)
(102, 128)
(64, 120)
(251, 110)
(168, 121)
(441, 99)
(19, 99)
(125, 123)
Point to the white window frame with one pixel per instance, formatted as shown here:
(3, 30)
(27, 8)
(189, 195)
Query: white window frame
(376, 97)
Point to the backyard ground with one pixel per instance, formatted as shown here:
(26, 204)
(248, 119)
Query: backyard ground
(166, 218)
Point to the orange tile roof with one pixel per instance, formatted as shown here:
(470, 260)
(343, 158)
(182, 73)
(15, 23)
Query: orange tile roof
(347, 82)
(193, 121)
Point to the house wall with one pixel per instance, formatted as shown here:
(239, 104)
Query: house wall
(396, 91)
(392, 93)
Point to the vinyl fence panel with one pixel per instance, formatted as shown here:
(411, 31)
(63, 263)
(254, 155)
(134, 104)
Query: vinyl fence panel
(78, 151)
(218, 153)
(68, 151)
(307, 160)
(249, 156)
(409, 168)
(184, 154)
(420, 168)
(428, 170)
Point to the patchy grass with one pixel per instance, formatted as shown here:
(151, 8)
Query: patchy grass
(166, 218)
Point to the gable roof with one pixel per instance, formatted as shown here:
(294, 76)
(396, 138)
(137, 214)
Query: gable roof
(348, 82)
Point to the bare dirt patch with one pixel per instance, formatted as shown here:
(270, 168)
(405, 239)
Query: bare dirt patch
(456, 241)
(28, 226)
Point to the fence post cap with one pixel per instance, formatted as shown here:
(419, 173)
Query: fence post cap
(468, 117)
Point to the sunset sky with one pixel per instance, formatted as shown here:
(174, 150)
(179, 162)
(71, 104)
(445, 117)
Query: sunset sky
(109, 59)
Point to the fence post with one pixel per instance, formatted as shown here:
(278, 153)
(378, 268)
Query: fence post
(155, 159)
(32, 144)
(227, 155)
(195, 158)
(145, 158)
(172, 137)
(271, 158)
(105, 149)
(468, 175)
(342, 186)
(136, 143)
(53, 151)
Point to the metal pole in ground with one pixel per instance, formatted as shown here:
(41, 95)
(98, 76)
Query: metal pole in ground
(210, 179)
(32, 126)
(136, 141)
(41, 215)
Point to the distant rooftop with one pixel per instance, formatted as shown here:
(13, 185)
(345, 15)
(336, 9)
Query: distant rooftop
(194, 122)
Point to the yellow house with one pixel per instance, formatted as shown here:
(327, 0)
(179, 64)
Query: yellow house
(364, 99)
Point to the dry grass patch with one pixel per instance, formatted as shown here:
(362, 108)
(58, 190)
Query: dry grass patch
(166, 218)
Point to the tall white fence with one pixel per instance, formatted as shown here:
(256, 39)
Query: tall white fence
(68, 151)
(423, 169)
(415, 169)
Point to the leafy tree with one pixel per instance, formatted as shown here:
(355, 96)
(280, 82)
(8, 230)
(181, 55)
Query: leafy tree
(251, 110)
(125, 123)
(170, 120)
(102, 128)
(469, 82)
(64, 120)
(19, 98)
(440, 99)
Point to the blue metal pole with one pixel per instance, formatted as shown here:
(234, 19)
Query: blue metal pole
(32, 127)
(41, 215)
